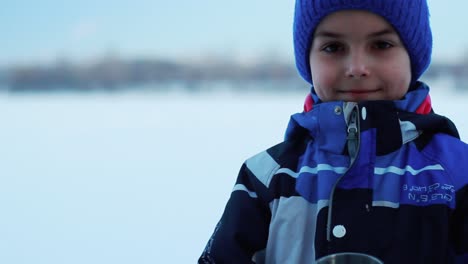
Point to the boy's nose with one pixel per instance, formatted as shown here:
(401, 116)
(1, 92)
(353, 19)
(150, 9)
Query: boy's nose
(357, 66)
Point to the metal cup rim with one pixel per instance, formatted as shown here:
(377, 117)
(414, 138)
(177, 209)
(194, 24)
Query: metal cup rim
(350, 254)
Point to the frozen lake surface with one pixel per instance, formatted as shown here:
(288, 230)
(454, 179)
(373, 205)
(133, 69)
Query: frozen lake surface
(133, 178)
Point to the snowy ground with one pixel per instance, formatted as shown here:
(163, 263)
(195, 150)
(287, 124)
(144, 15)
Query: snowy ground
(132, 178)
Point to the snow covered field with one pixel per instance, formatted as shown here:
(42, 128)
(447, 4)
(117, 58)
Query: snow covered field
(133, 178)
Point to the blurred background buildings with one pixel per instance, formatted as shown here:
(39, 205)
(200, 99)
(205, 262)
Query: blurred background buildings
(114, 74)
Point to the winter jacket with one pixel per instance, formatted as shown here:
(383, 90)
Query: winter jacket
(385, 178)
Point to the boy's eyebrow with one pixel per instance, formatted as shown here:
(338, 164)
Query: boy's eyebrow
(331, 34)
(383, 32)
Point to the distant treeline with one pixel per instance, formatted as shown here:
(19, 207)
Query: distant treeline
(113, 73)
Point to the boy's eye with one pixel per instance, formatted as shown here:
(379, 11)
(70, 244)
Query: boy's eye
(332, 48)
(383, 45)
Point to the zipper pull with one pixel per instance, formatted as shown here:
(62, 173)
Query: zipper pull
(353, 135)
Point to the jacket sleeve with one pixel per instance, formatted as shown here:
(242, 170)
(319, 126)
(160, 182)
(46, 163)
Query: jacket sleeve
(242, 232)
(456, 163)
(459, 226)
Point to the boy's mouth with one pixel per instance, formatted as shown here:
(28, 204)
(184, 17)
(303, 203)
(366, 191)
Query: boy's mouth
(360, 94)
(360, 91)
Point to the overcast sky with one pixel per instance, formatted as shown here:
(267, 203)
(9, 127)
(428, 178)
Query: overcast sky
(42, 31)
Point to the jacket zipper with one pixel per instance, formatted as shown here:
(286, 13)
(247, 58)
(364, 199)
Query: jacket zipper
(353, 136)
(353, 142)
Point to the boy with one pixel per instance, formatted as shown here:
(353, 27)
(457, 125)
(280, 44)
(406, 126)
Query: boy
(368, 167)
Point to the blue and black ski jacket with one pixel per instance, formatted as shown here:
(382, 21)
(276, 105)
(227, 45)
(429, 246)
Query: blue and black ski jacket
(385, 178)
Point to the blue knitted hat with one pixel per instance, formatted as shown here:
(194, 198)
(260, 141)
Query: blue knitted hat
(410, 18)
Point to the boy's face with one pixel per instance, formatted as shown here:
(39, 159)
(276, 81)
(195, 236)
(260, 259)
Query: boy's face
(356, 56)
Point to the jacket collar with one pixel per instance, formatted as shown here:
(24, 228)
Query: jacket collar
(393, 122)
